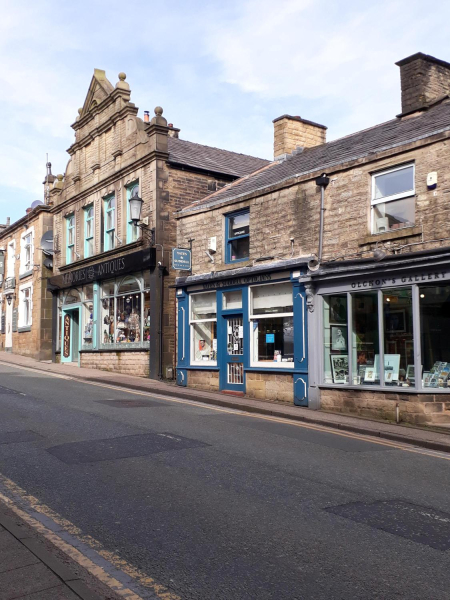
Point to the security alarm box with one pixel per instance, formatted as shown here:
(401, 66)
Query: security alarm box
(432, 180)
(212, 244)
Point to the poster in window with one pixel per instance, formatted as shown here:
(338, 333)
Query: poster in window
(395, 321)
(339, 366)
(338, 309)
(338, 338)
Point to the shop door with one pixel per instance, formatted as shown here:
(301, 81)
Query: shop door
(70, 335)
(8, 325)
(232, 367)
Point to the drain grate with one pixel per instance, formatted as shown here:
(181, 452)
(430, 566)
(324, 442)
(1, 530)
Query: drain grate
(14, 437)
(129, 446)
(416, 523)
(131, 403)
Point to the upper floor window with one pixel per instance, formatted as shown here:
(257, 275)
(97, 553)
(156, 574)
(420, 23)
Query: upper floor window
(26, 251)
(237, 236)
(393, 201)
(88, 231)
(132, 229)
(11, 259)
(110, 223)
(70, 239)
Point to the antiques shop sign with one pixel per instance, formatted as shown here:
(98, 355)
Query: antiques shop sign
(380, 282)
(105, 269)
(66, 342)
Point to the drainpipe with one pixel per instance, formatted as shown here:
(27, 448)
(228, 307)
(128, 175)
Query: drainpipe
(322, 182)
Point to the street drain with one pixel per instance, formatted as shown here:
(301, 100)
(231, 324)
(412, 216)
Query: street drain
(131, 403)
(416, 523)
(122, 447)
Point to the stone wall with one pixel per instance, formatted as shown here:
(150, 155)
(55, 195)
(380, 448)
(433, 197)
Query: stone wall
(267, 386)
(128, 363)
(424, 79)
(294, 132)
(203, 380)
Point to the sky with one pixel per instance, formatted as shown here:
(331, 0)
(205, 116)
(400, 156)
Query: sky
(221, 70)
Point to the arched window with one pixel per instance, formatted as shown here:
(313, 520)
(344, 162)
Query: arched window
(128, 285)
(72, 296)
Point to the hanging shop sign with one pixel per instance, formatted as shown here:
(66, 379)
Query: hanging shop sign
(66, 339)
(113, 267)
(181, 259)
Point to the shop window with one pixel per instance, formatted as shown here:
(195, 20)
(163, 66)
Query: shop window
(110, 223)
(393, 202)
(237, 236)
(132, 229)
(70, 239)
(435, 343)
(232, 300)
(364, 336)
(203, 326)
(72, 297)
(272, 325)
(398, 337)
(335, 329)
(88, 231)
(88, 315)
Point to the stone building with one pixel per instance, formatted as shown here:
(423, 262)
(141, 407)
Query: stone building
(347, 240)
(113, 301)
(25, 303)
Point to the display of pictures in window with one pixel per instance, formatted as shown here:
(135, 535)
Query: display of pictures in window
(335, 339)
(272, 325)
(435, 347)
(398, 336)
(364, 338)
(88, 314)
(203, 326)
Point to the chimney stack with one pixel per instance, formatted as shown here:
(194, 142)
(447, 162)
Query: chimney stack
(294, 132)
(424, 80)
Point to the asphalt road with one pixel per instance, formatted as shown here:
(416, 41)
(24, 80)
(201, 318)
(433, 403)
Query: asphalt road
(221, 505)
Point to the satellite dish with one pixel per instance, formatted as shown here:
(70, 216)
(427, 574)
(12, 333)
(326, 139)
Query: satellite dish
(36, 203)
(46, 244)
(48, 262)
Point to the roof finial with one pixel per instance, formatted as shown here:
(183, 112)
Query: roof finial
(122, 84)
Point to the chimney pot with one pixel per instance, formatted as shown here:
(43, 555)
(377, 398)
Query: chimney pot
(146, 116)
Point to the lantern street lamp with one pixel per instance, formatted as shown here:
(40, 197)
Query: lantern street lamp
(135, 207)
(9, 298)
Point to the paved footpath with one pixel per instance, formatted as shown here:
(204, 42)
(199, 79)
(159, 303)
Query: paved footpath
(31, 569)
(431, 438)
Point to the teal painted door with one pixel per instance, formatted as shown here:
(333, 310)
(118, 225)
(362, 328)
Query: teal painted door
(70, 335)
(232, 363)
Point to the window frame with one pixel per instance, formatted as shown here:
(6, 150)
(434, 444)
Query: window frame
(400, 196)
(87, 239)
(70, 248)
(229, 240)
(11, 260)
(192, 322)
(252, 317)
(133, 231)
(26, 252)
(23, 300)
(107, 233)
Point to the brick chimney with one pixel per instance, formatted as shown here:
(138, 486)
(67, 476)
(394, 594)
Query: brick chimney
(424, 79)
(294, 132)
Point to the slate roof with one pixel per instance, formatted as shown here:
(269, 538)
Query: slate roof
(326, 156)
(212, 159)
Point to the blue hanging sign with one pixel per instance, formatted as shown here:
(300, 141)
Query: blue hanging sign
(181, 259)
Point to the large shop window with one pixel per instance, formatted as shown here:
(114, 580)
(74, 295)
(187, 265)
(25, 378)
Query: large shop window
(237, 232)
(125, 313)
(393, 202)
(272, 325)
(203, 326)
(434, 336)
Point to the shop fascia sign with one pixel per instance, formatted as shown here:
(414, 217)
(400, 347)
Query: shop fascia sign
(381, 282)
(243, 280)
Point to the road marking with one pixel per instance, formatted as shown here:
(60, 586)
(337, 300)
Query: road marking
(239, 412)
(32, 506)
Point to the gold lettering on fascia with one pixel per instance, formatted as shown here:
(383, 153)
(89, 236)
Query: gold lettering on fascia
(382, 282)
(90, 273)
(237, 281)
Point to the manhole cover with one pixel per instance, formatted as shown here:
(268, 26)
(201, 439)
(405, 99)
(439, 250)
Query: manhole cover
(14, 437)
(416, 523)
(122, 447)
(131, 403)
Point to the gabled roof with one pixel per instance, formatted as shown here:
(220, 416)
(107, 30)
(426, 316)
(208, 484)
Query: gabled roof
(212, 159)
(99, 89)
(388, 135)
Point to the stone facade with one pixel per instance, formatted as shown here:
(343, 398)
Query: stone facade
(424, 79)
(276, 387)
(291, 133)
(23, 333)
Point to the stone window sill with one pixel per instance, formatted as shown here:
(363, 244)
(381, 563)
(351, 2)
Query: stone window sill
(390, 235)
(24, 329)
(26, 274)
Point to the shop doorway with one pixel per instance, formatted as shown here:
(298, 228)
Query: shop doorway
(70, 335)
(232, 375)
(8, 325)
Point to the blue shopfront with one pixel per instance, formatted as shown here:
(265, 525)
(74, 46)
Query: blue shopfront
(245, 332)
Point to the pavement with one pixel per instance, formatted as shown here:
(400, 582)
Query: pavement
(30, 569)
(426, 437)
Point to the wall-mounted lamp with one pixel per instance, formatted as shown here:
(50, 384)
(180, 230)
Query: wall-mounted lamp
(9, 299)
(136, 203)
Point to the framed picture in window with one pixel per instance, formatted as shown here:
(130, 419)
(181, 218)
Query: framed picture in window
(395, 321)
(339, 367)
(338, 338)
(338, 309)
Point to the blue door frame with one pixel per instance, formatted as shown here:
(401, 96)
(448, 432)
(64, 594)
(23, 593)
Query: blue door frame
(233, 349)
(73, 330)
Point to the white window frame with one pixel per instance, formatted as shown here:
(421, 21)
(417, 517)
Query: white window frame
(11, 260)
(23, 252)
(251, 317)
(21, 321)
(192, 322)
(400, 196)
